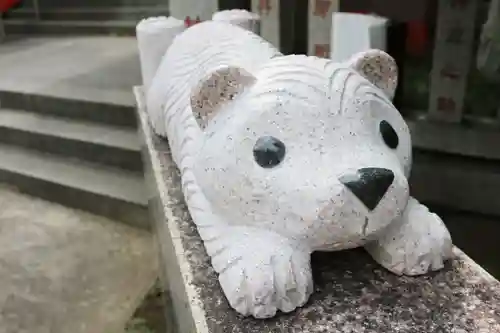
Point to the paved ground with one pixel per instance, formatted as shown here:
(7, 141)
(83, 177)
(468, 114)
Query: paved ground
(91, 68)
(64, 271)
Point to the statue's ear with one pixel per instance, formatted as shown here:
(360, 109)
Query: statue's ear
(217, 88)
(377, 67)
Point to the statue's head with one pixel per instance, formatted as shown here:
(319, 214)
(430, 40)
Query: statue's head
(306, 147)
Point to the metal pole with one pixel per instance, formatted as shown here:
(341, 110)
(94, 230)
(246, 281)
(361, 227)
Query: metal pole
(36, 7)
(2, 29)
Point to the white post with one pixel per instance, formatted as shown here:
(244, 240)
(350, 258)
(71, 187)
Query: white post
(240, 17)
(452, 55)
(154, 36)
(269, 19)
(320, 26)
(353, 33)
(36, 7)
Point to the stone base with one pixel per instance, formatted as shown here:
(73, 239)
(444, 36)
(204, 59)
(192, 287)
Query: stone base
(352, 292)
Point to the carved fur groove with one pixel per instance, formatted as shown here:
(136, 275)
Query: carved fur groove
(281, 156)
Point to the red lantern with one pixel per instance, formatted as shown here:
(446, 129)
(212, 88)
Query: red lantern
(5, 5)
(416, 39)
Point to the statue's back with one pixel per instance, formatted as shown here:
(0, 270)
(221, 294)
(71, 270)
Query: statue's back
(194, 54)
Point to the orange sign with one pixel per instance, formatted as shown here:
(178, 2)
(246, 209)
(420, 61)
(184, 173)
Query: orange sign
(322, 7)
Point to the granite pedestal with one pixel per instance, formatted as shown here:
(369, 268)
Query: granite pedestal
(352, 292)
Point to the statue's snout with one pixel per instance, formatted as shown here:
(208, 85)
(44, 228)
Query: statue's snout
(369, 184)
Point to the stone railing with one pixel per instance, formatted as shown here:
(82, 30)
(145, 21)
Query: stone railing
(352, 293)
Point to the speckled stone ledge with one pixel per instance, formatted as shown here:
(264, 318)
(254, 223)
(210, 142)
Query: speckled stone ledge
(352, 293)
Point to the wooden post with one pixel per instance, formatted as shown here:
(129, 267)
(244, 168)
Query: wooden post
(452, 55)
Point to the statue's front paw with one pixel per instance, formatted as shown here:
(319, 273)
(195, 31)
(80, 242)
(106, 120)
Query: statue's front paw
(264, 274)
(427, 247)
(416, 245)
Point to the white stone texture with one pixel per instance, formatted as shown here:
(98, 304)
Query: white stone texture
(353, 33)
(242, 18)
(281, 156)
(154, 36)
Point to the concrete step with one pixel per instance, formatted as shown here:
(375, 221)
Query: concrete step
(456, 182)
(104, 144)
(472, 141)
(113, 193)
(64, 270)
(60, 27)
(134, 13)
(103, 112)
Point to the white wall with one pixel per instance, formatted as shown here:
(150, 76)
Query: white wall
(202, 8)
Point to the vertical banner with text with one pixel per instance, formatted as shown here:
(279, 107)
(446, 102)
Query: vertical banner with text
(320, 26)
(453, 51)
(269, 12)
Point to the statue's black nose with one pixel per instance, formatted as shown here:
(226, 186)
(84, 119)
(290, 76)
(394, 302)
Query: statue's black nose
(369, 184)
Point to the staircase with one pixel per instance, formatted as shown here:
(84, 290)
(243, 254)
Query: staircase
(110, 17)
(68, 135)
(82, 154)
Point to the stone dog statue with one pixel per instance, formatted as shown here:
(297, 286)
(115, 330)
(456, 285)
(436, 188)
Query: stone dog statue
(281, 156)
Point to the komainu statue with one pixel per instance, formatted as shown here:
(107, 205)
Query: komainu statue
(281, 156)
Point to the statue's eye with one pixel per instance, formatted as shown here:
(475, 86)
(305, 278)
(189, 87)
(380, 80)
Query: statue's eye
(389, 134)
(268, 151)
